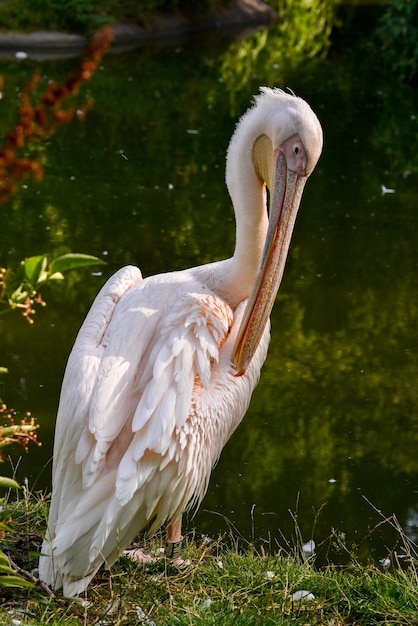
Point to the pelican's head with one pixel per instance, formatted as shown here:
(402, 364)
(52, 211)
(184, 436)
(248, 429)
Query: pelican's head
(286, 140)
(290, 127)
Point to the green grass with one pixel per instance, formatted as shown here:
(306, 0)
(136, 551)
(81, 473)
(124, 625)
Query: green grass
(227, 583)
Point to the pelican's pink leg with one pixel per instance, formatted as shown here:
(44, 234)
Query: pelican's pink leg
(174, 543)
(174, 531)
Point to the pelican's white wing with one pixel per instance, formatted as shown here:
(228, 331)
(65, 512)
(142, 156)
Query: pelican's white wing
(144, 414)
(77, 388)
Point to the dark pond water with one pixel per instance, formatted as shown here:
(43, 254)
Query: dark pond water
(332, 426)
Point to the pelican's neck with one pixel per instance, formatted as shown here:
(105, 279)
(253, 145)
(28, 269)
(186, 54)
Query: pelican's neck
(251, 161)
(248, 197)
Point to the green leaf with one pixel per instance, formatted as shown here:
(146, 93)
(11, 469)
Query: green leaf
(8, 577)
(4, 370)
(15, 581)
(56, 276)
(35, 269)
(4, 526)
(3, 559)
(6, 569)
(8, 482)
(72, 261)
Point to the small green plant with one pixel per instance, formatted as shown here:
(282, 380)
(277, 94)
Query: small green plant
(21, 433)
(20, 289)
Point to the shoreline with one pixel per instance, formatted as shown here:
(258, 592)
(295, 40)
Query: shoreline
(239, 13)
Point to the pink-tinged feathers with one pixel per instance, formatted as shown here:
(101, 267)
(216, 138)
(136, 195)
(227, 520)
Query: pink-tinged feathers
(150, 395)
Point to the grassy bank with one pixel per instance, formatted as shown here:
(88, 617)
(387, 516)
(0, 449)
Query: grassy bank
(226, 583)
(86, 16)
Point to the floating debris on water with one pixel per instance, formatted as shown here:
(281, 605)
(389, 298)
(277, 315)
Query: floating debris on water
(386, 190)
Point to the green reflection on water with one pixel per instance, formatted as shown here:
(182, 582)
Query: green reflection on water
(141, 181)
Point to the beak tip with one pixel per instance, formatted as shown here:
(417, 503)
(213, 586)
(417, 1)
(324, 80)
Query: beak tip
(239, 367)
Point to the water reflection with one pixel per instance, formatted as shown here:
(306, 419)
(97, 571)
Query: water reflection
(334, 417)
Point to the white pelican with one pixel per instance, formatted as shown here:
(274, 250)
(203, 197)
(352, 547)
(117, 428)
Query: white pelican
(163, 368)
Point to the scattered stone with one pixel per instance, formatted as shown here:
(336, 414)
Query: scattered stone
(302, 596)
(308, 548)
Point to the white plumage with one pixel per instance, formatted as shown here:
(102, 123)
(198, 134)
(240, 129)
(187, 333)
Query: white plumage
(163, 368)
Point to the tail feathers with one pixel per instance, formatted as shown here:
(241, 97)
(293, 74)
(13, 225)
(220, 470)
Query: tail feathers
(70, 570)
(50, 574)
(78, 550)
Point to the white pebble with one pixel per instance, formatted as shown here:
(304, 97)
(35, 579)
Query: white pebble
(206, 603)
(308, 548)
(302, 595)
(206, 540)
(143, 617)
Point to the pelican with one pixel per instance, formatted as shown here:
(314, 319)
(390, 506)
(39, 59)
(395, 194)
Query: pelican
(163, 368)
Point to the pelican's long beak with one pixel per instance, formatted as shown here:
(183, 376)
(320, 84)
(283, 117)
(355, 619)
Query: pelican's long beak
(285, 193)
